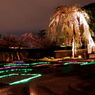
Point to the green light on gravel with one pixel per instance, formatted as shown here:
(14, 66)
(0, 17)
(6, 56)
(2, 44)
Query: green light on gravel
(16, 65)
(8, 75)
(92, 62)
(38, 63)
(22, 70)
(81, 63)
(13, 74)
(66, 63)
(2, 71)
(26, 80)
(88, 63)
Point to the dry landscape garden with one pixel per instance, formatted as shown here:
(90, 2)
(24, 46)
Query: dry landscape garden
(59, 60)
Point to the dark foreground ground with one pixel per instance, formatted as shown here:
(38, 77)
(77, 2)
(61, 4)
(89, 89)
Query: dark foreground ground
(58, 80)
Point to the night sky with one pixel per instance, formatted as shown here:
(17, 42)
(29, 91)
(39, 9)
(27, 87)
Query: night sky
(21, 16)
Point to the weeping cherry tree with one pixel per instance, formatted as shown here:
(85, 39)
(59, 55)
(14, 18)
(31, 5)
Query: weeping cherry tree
(68, 25)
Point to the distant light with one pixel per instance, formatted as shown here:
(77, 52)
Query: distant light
(79, 56)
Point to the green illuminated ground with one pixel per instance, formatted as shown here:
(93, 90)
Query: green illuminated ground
(22, 73)
(17, 75)
(16, 78)
(81, 63)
